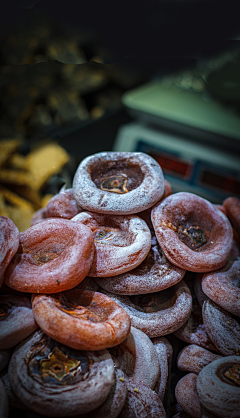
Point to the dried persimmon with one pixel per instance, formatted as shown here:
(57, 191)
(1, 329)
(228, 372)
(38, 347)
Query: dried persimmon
(118, 182)
(121, 242)
(82, 319)
(192, 233)
(53, 256)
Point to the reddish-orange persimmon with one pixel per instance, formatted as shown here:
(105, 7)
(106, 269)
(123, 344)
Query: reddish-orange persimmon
(232, 207)
(222, 286)
(82, 319)
(192, 233)
(53, 256)
(9, 242)
(63, 205)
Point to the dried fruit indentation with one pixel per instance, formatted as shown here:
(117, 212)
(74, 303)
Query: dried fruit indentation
(54, 363)
(115, 184)
(233, 374)
(154, 302)
(93, 312)
(58, 364)
(104, 233)
(193, 236)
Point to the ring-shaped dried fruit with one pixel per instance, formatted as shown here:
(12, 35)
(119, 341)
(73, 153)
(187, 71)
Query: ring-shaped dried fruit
(118, 183)
(9, 242)
(55, 380)
(164, 351)
(193, 358)
(222, 328)
(187, 397)
(121, 242)
(192, 233)
(63, 205)
(218, 387)
(223, 287)
(16, 320)
(193, 331)
(155, 273)
(158, 314)
(114, 403)
(232, 207)
(141, 401)
(82, 319)
(136, 357)
(53, 256)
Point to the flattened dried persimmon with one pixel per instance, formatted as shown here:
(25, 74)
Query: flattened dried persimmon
(158, 314)
(232, 207)
(155, 273)
(16, 320)
(53, 256)
(223, 287)
(136, 357)
(218, 387)
(222, 328)
(63, 205)
(121, 242)
(141, 401)
(55, 380)
(118, 182)
(193, 358)
(9, 241)
(192, 233)
(82, 319)
(187, 396)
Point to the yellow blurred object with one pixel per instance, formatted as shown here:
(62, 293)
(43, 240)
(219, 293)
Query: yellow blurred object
(7, 147)
(16, 208)
(43, 162)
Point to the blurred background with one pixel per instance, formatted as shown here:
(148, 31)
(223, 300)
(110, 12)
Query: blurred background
(162, 77)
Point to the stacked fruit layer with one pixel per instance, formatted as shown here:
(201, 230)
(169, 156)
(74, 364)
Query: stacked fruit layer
(110, 275)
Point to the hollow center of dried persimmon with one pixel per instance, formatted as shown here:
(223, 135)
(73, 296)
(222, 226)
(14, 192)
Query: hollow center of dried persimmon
(233, 374)
(58, 364)
(117, 177)
(104, 233)
(193, 236)
(44, 256)
(115, 184)
(58, 367)
(91, 312)
(154, 302)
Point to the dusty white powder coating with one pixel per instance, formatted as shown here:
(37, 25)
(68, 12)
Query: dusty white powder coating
(214, 391)
(164, 351)
(155, 273)
(127, 246)
(182, 210)
(194, 358)
(222, 328)
(223, 287)
(172, 314)
(186, 395)
(145, 195)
